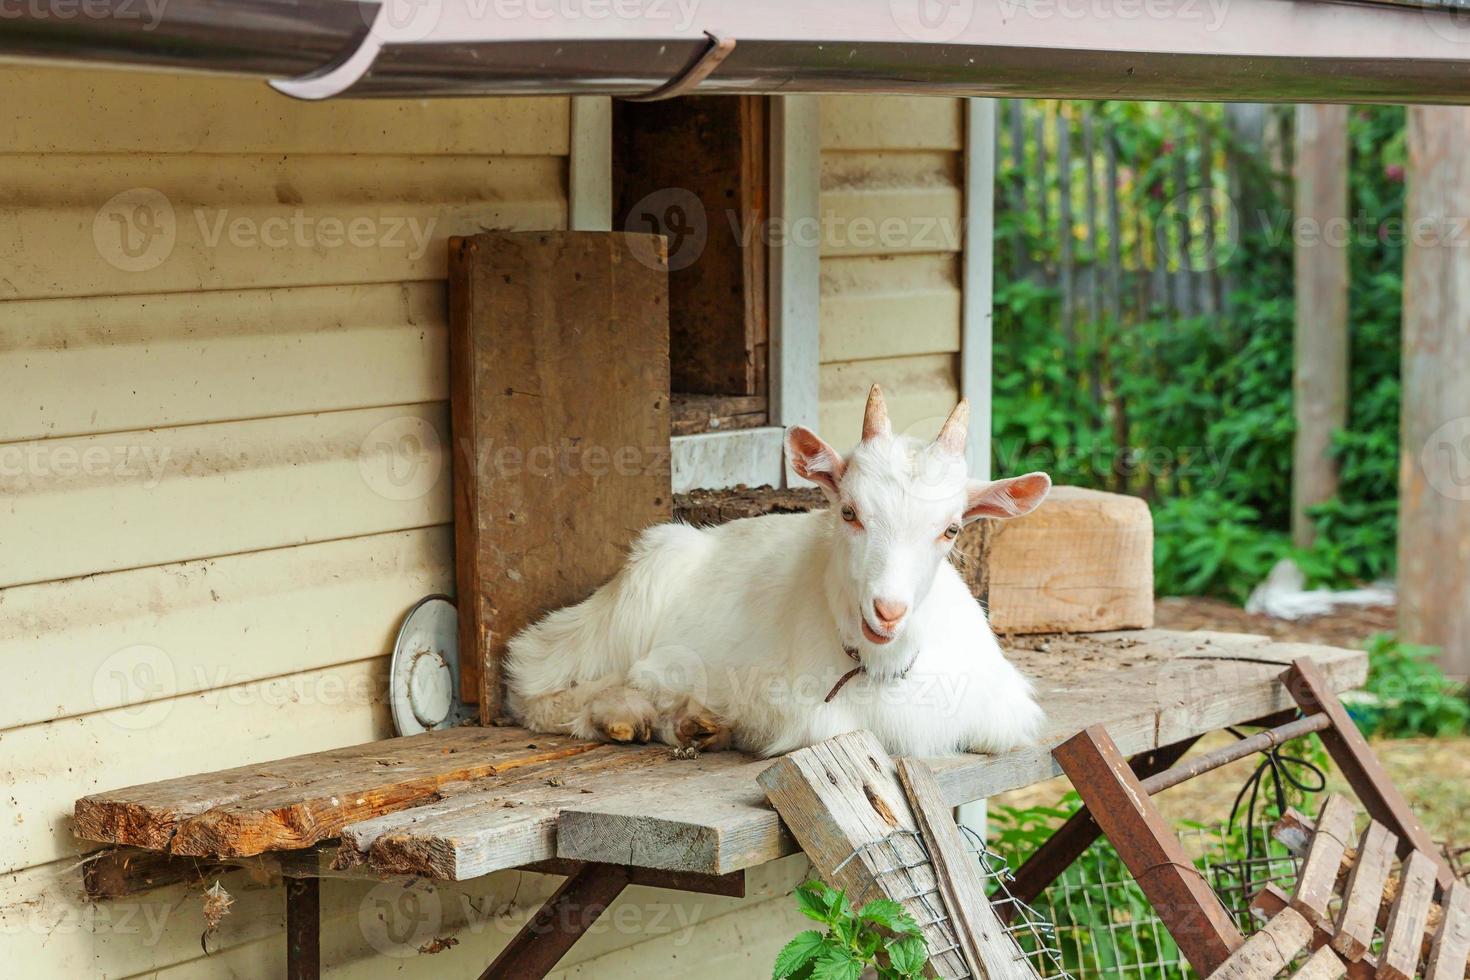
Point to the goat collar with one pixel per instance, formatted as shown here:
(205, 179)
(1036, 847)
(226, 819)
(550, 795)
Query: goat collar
(852, 655)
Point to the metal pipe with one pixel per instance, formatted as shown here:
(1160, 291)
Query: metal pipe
(1259, 50)
(267, 38)
(1259, 742)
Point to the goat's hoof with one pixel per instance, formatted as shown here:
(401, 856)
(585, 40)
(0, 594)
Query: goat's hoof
(704, 732)
(627, 731)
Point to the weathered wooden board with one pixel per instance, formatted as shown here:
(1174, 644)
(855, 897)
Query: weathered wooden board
(1267, 952)
(1318, 878)
(710, 815)
(1451, 945)
(298, 802)
(988, 948)
(693, 414)
(1404, 938)
(1321, 965)
(1354, 933)
(1297, 832)
(842, 800)
(559, 378)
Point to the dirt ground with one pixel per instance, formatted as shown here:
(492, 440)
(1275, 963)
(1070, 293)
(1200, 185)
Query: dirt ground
(1433, 773)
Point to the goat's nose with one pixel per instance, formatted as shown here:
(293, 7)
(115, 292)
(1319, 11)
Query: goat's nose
(889, 611)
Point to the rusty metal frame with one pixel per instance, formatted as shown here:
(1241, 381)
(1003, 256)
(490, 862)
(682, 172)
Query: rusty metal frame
(580, 901)
(540, 944)
(1118, 803)
(303, 928)
(1072, 838)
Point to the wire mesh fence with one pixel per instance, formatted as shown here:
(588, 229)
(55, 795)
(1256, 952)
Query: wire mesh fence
(1101, 926)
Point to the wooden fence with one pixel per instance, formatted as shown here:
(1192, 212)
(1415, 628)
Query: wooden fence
(1123, 209)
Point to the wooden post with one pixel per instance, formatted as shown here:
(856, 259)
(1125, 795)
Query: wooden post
(1434, 467)
(1320, 376)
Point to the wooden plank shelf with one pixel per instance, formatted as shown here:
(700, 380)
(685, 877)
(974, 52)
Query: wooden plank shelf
(459, 804)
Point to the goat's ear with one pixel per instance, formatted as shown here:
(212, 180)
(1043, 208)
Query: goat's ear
(813, 459)
(1006, 498)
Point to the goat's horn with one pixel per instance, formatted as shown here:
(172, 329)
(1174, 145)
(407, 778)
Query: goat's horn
(952, 434)
(875, 416)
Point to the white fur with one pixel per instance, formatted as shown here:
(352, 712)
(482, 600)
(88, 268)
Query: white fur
(747, 622)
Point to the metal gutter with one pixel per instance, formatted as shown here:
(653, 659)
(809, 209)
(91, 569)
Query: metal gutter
(1256, 50)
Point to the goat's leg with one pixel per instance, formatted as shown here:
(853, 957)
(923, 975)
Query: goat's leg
(607, 709)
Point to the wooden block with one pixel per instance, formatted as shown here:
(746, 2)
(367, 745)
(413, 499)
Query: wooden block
(1266, 953)
(1364, 892)
(1404, 937)
(1318, 878)
(559, 388)
(1451, 945)
(1322, 965)
(988, 949)
(1081, 562)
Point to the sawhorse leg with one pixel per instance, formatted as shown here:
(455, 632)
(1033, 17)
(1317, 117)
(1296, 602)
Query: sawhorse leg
(303, 928)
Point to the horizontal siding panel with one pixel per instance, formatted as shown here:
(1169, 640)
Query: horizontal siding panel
(892, 122)
(105, 225)
(182, 358)
(889, 306)
(71, 110)
(887, 203)
(138, 636)
(46, 768)
(920, 392)
(93, 504)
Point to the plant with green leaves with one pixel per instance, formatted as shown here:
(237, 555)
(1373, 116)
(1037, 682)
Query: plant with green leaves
(881, 934)
(1408, 694)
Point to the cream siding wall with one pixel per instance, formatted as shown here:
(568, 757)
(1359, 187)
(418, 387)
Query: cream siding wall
(891, 203)
(222, 484)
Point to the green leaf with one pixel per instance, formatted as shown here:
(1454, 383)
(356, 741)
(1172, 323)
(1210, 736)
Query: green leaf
(836, 963)
(908, 955)
(890, 915)
(815, 900)
(796, 953)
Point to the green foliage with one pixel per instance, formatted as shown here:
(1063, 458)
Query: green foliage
(881, 934)
(1195, 414)
(1408, 694)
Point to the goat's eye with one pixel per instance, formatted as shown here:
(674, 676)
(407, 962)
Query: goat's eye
(848, 514)
(952, 532)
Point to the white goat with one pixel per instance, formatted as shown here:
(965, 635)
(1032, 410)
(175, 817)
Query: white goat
(775, 632)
